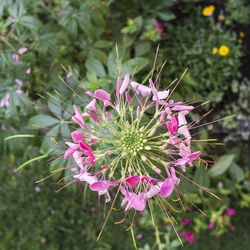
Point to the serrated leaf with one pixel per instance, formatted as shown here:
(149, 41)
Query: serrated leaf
(221, 166)
(43, 120)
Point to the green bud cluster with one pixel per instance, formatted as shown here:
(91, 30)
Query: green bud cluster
(132, 141)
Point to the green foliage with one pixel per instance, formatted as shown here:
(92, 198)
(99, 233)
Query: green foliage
(81, 36)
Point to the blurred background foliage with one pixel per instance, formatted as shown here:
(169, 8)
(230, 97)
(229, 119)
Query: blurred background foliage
(211, 38)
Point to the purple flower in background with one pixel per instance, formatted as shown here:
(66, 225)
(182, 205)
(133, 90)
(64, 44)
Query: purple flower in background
(37, 189)
(230, 211)
(188, 236)
(160, 26)
(185, 221)
(139, 236)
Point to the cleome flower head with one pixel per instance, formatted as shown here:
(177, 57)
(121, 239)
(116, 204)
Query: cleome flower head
(136, 142)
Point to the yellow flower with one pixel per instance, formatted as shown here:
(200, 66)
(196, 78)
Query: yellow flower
(242, 34)
(223, 50)
(214, 51)
(208, 11)
(221, 18)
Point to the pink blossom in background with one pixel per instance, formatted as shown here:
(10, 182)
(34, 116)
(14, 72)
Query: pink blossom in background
(13, 20)
(188, 236)
(15, 57)
(3, 127)
(69, 75)
(232, 228)
(5, 100)
(14, 170)
(230, 211)
(28, 71)
(139, 236)
(211, 225)
(185, 221)
(19, 82)
(37, 189)
(19, 91)
(22, 51)
(52, 211)
(160, 26)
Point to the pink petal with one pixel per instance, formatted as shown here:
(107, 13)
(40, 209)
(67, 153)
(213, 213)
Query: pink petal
(22, 51)
(102, 95)
(194, 156)
(85, 146)
(132, 180)
(28, 71)
(77, 136)
(167, 188)
(161, 95)
(144, 90)
(182, 108)
(124, 84)
(91, 105)
(19, 82)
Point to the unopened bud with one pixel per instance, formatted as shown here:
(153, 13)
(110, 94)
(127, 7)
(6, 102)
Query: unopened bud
(158, 171)
(152, 132)
(143, 158)
(128, 98)
(148, 148)
(164, 146)
(109, 115)
(109, 152)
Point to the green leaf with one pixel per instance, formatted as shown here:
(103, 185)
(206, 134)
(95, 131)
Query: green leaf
(112, 60)
(167, 15)
(142, 48)
(96, 66)
(29, 22)
(134, 65)
(102, 44)
(201, 176)
(236, 172)
(91, 75)
(221, 166)
(43, 120)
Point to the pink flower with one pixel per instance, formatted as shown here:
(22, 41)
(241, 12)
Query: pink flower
(187, 159)
(211, 225)
(160, 26)
(37, 189)
(136, 201)
(91, 105)
(69, 75)
(19, 82)
(185, 221)
(78, 117)
(139, 236)
(232, 228)
(168, 185)
(139, 88)
(28, 71)
(15, 57)
(230, 211)
(132, 180)
(22, 51)
(19, 91)
(188, 236)
(124, 84)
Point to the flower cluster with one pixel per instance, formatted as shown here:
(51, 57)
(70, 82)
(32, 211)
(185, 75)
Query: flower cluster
(136, 144)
